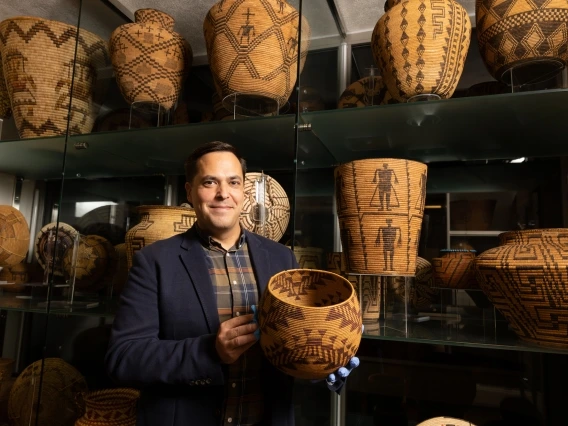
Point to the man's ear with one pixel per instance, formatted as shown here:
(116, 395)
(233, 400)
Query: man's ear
(188, 193)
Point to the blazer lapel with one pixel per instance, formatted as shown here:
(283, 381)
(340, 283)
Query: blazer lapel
(195, 264)
(260, 261)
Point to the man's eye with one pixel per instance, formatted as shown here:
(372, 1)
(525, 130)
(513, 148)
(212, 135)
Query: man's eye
(236, 183)
(208, 183)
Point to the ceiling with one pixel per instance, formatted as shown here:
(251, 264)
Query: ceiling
(357, 17)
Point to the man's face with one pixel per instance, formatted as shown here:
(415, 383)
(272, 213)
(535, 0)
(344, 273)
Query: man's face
(217, 193)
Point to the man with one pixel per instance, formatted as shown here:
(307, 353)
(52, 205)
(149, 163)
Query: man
(185, 330)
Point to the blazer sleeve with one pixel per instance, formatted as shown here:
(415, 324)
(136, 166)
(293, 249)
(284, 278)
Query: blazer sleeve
(136, 354)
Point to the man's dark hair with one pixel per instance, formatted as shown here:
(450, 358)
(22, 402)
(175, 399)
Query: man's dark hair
(214, 146)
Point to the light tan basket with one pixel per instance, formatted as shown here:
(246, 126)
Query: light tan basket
(310, 322)
(150, 59)
(365, 92)
(525, 278)
(380, 204)
(445, 421)
(276, 213)
(253, 47)
(14, 236)
(39, 61)
(61, 383)
(420, 47)
(529, 35)
(157, 223)
(109, 407)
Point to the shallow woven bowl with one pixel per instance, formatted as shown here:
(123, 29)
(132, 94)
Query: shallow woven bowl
(526, 278)
(310, 322)
(445, 421)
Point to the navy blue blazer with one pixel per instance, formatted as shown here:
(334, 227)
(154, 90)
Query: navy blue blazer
(163, 335)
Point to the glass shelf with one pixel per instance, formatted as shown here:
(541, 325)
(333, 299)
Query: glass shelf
(454, 332)
(266, 144)
(527, 124)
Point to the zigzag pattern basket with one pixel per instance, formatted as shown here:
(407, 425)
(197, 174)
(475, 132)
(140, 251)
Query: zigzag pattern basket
(420, 47)
(109, 407)
(253, 47)
(380, 204)
(526, 278)
(38, 56)
(310, 322)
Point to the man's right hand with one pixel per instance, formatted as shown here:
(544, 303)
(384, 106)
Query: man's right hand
(234, 337)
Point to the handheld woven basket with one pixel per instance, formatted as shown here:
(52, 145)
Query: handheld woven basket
(420, 47)
(253, 47)
(39, 61)
(14, 236)
(380, 204)
(157, 223)
(310, 322)
(526, 278)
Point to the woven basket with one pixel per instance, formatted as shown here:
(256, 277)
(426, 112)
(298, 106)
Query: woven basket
(528, 36)
(380, 204)
(61, 383)
(5, 107)
(365, 92)
(310, 322)
(14, 236)
(471, 215)
(44, 246)
(455, 269)
(157, 223)
(420, 47)
(109, 407)
(526, 278)
(149, 59)
(276, 213)
(421, 293)
(445, 421)
(335, 262)
(92, 262)
(309, 257)
(39, 57)
(17, 274)
(253, 46)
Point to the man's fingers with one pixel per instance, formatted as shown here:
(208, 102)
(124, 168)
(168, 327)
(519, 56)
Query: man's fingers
(246, 340)
(237, 321)
(242, 330)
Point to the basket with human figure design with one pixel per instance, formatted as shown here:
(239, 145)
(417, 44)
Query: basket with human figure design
(310, 322)
(380, 205)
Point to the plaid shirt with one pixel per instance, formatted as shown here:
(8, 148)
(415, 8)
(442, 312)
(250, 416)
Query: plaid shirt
(235, 287)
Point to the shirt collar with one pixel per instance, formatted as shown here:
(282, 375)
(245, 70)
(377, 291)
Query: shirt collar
(208, 242)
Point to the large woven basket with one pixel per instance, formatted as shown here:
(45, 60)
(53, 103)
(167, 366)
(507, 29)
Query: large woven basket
(380, 204)
(60, 386)
(420, 47)
(39, 61)
(253, 47)
(47, 252)
(109, 407)
(310, 322)
(150, 59)
(368, 91)
(526, 278)
(272, 220)
(527, 37)
(14, 236)
(455, 269)
(157, 223)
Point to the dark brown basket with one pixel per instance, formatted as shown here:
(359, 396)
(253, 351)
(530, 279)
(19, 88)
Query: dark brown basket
(525, 278)
(455, 269)
(380, 204)
(310, 322)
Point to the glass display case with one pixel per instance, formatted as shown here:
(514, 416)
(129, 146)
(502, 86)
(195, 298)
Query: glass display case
(96, 138)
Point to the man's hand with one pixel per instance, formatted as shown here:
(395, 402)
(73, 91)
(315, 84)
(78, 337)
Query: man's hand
(234, 337)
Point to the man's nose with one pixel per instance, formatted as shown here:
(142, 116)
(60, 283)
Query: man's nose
(223, 190)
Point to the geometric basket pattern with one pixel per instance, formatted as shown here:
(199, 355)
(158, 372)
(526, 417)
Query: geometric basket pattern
(513, 32)
(310, 322)
(110, 407)
(526, 278)
(253, 45)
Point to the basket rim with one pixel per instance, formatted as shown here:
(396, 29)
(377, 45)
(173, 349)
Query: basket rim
(53, 21)
(315, 308)
(380, 159)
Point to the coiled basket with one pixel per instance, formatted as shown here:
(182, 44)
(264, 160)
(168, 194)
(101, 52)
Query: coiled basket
(310, 322)
(109, 407)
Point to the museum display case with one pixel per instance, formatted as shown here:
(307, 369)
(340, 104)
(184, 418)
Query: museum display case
(92, 148)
